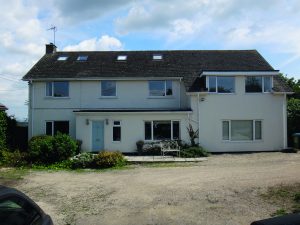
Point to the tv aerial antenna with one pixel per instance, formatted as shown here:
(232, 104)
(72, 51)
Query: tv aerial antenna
(54, 28)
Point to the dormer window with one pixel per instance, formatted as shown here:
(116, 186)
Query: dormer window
(122, 57)
(62, 58)
(82, 58)
(258, 84)
(157, 57)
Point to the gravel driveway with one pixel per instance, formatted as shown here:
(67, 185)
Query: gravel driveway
(223, 190)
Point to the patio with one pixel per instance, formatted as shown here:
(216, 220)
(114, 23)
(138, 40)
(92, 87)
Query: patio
(163, 159)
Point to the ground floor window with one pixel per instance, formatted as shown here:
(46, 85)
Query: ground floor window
(52, 127)
(117, 131)
(162, 130)
(241, 130)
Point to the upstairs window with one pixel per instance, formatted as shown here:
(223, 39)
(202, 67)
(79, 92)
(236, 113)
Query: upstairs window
(62, 58)
(221, 84)
(157, 57)
(57, 89)
(257, 84)
(108, 88)
(160, 88)
(82, 58)
(122, 57)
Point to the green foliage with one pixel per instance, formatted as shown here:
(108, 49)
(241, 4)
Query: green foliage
(83, 160)
(292, 82)
(66, 164)
(293, 117)
(192, 134)
(194, 151)
(48, 150)
(280, 212)
(297, 197)
(109, 159)
(13, 158)
(3, 128)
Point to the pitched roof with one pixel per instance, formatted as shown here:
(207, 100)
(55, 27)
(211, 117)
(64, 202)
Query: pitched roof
(178, 63)
(2, 107)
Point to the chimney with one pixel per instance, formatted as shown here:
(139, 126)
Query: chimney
(50, 48)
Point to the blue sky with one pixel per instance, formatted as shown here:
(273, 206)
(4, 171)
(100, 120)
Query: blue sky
(272, 27)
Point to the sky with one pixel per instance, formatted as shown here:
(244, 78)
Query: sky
(270, 26)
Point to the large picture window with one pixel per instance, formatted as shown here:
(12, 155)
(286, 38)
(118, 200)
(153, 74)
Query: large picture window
(162, 130)
(57, 89)
(257, 84)
(108, 88)
(53, 127)
(221, 84)
(160, 88)
(241, 130)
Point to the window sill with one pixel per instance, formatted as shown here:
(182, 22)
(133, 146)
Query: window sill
(248, 141)
(116, 142)
(108, 97)
(161, 97)
(49, 97)
(216, 93)
(257, 93)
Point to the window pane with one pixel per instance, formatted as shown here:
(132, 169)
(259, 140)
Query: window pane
(61, 89)
(267, 84)
(258, 130)
(241, 130)
(162, 130)
(116, 133)
(108, 88)
(157, 88)
(61, 126)
(225, 84)
(148, 131)
(225, 130)
(212, 83)
(254, 84)
(169, 90)
(176, 130)
(48, 128)
(49, 89)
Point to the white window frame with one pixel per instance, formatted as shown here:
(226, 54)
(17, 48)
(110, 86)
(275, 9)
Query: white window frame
(262, 84)
(253, 130)
(82, 58)
(157, 56)
(52, 87)
(52, 125)
(152, 134)
(120, 125)
(217, 92)
(62, 58)
(121, 57)
(165, 87)
(112, 96)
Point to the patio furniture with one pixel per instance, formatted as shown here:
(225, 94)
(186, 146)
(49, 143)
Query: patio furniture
(169, 146)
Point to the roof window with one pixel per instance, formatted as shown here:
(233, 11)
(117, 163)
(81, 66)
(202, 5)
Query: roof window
(157, 57)
(82, 58)
(122, 57)
(62, 58)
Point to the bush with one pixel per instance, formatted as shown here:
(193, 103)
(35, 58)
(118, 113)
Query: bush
(14, 158)
(83, 160)
(194, 152)
(139, 146)
(109, 159)
(47, 149)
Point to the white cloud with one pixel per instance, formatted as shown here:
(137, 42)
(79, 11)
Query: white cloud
(104, 43)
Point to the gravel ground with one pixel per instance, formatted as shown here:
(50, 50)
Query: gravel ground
(223, 190)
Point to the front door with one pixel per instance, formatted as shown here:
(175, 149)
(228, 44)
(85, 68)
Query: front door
(98, 136)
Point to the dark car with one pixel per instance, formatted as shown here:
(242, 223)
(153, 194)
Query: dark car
(292, 219)
(18, 209)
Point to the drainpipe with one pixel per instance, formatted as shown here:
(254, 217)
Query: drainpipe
(180, 93)
(198, 118)
(284, 122)
(31, 105)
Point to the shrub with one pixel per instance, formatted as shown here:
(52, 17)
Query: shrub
(83, 160)
(139, 146)
(109, 159)
(64, 147)
(13, 158)
(194, 152)
(47, 149)
(3, 127)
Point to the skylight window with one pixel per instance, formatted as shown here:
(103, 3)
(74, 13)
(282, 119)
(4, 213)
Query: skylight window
(62, 58)
(82, 58)
(157, 56)
(122, 57)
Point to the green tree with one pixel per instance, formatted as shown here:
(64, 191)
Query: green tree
(3, 129)
(293, 120)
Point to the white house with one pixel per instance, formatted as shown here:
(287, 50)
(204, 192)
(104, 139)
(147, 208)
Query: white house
(112, 99)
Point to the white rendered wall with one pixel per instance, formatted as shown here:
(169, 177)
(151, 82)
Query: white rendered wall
(240, 106)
